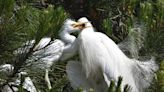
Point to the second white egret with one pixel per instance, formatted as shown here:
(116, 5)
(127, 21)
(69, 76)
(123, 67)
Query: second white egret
(103, 61)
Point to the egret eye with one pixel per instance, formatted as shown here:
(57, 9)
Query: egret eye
(83, 25)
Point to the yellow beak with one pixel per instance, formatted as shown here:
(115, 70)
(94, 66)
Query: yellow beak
(79, 25)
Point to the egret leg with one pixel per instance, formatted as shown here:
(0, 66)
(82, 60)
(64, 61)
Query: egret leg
(47, 79)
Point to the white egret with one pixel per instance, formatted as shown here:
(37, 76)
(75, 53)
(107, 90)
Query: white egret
(103, 61)
(48, 51)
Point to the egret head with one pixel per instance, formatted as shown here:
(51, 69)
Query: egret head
(85, 22)
(70, 26)
(82, 23)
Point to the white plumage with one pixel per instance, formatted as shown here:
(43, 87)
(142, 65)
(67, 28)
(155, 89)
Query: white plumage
(27, 82)
(103, 61)
(42, 43)
(48, 52)
(45, 53)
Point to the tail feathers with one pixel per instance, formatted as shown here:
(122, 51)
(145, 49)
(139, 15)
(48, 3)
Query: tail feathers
(77, 76)
(144, 73)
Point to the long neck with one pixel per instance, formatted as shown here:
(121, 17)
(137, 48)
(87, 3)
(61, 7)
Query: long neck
(66, 37)
(88, 29)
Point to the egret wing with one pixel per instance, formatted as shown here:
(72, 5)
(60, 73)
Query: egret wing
(29, 44)
(115, 65)
(42, 43)
(135, 73)
(49, 54)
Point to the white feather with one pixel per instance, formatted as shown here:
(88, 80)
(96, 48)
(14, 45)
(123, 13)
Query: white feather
(78, 79)
(102, 60)
(76, 75)
(42, 43)
(49, 54)
(28, 85)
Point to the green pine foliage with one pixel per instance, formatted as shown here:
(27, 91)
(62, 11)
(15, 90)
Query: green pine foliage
(20, 22)
(117, 88)
(147, 13)
(51, 21)
(112, 87)
(161, 78)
